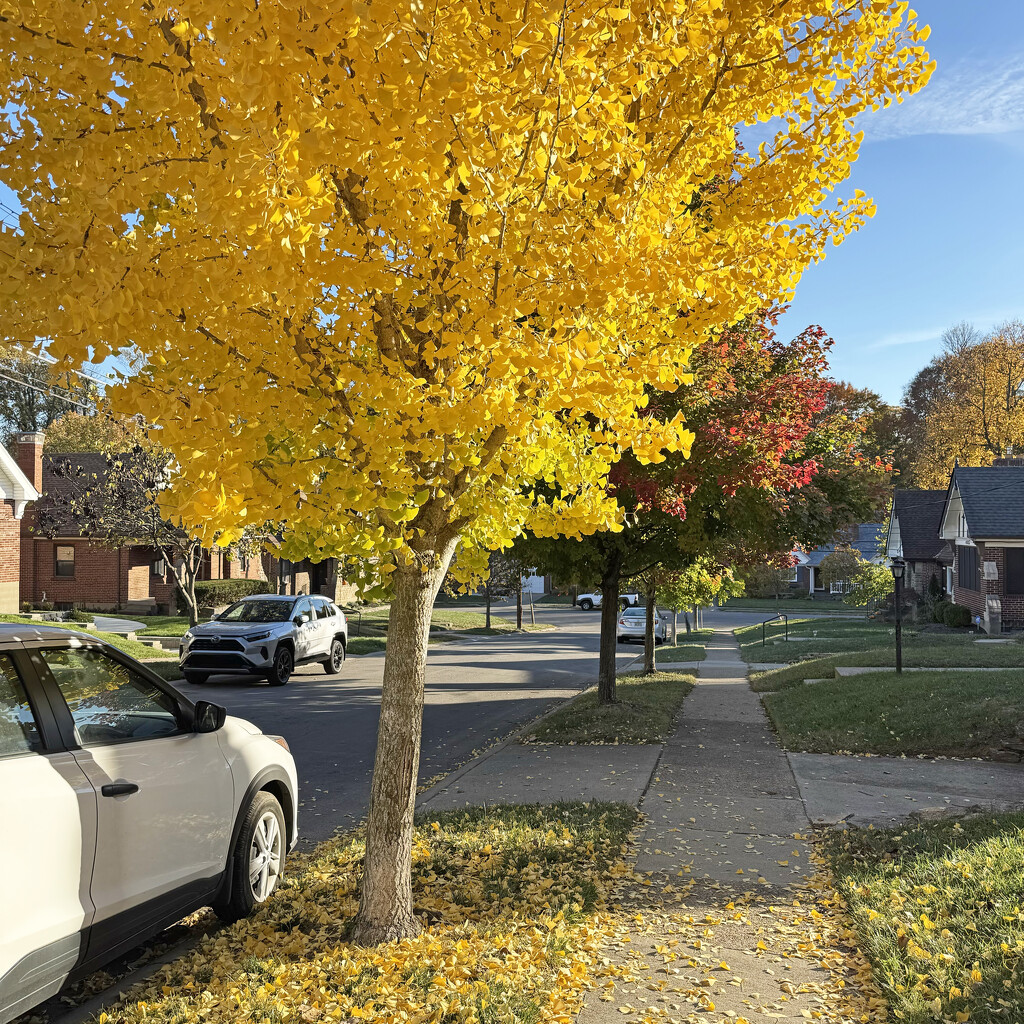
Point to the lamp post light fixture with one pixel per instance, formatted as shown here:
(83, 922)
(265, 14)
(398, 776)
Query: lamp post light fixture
(897, 567)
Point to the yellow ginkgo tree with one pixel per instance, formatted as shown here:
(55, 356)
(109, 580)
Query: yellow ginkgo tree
(396, 276)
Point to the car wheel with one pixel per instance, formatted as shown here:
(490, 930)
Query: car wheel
(332, 666)
(281, 670)
(196, 678)
(586, 604)
(257, 859)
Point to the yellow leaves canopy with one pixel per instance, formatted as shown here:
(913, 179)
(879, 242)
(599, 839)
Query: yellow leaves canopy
(385, 268)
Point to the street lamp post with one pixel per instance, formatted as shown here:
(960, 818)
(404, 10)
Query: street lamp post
(898, 567)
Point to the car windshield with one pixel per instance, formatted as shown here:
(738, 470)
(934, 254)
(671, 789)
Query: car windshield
(257, 610)
(635, 613)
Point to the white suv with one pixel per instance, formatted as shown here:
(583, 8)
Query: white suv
(266, 635)
(124, 807)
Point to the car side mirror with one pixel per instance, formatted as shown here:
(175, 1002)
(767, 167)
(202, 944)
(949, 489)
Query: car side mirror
(209, 716)
(298, 620)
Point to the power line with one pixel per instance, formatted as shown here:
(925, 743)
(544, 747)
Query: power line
(46, 392)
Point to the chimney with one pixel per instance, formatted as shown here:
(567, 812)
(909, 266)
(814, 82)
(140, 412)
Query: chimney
(1009, 460)
(30, 458)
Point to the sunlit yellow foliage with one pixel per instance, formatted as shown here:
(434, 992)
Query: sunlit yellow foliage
(384, 266)
(514, 902)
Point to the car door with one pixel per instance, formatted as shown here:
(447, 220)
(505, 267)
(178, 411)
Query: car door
(48, 815)
(305, 629)
(324, 625)
(165, 793)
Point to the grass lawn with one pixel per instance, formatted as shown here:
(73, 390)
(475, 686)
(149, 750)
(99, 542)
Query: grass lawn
(512, 898)
(938, 911)
(647, 709)
(788, 605)
(942, 713)
(877, 641)
(161, 625)
(444, 620)
(691, 647)
(132, 647)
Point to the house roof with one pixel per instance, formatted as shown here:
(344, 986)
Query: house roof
(864, 537)
(920, 516)
(993, 500)
(14, 485)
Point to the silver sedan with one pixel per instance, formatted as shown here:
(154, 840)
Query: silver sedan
(632, 626)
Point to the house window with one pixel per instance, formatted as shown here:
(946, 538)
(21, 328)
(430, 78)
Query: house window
(968, 568)
(1014, 570)
(64, 560)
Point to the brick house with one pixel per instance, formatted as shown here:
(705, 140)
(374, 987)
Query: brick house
(983, 519)
(913, 535)
(74, 569)
(16, 491)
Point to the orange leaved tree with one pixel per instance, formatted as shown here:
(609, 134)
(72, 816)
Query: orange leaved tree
(383, 267)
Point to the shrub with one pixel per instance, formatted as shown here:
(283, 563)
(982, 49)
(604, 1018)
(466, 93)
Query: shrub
(939, 610)
(213, 592)
(79, 616)
(957, 616)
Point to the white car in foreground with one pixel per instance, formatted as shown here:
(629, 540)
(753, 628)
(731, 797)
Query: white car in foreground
(125, 806)
(632, 625)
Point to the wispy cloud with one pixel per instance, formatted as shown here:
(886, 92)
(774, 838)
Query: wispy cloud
(984, 321)
(970, 97)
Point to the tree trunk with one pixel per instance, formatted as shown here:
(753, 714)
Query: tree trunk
(649, 632)
(519, 605)
(609, 622)
(487, 592)
(385, 904)
(675, 627)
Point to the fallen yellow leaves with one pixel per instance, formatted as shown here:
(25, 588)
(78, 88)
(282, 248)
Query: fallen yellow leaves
(512, 902)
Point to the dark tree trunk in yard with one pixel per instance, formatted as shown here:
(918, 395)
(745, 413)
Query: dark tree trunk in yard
(385, 906)
(649, 633)
(609, 621)
(519, 605)
(487, 592)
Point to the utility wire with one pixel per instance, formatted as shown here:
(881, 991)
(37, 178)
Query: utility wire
(45, 391)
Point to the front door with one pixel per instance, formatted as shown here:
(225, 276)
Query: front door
(48, 808)
(165, 793)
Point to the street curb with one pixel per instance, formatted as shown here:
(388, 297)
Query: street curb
(112, 995)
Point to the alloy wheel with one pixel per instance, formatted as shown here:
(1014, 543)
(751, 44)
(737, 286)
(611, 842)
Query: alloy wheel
(265, 856)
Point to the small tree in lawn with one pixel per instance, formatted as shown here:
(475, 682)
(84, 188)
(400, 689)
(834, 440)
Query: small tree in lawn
(841, 566)
(504, 579)
(700, 583)
(870, 584)
(387, 269)
(120, 504)
(767, 580)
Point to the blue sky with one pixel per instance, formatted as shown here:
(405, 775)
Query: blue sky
(946, 169)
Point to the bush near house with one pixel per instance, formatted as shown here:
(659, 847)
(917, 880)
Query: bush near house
(216, 592)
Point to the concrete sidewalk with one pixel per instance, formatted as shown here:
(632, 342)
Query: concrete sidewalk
(720, 928)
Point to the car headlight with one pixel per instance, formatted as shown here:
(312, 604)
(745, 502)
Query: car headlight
(187, 637)
(253, 637)
(281, 742)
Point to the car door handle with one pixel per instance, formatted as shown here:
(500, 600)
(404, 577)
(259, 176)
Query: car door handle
(119, 788)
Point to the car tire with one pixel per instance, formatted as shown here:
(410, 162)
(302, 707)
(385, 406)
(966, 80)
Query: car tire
(196, 678)
(281, 669)
(259, 850)
(586, 604)
(334, 661)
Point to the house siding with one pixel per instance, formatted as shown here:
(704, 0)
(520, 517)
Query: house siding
(10, 558)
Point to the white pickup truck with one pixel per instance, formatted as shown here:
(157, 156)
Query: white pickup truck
(588, 601)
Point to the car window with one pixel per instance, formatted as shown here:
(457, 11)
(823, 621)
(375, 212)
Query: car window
(261, 610)
(18, 732)
(303, 608)
(323, 608)
(108, 701)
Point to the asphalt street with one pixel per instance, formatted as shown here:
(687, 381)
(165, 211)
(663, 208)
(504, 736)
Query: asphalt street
(478, 690)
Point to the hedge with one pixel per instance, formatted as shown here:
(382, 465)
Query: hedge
(956, 615)
(213, 592)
